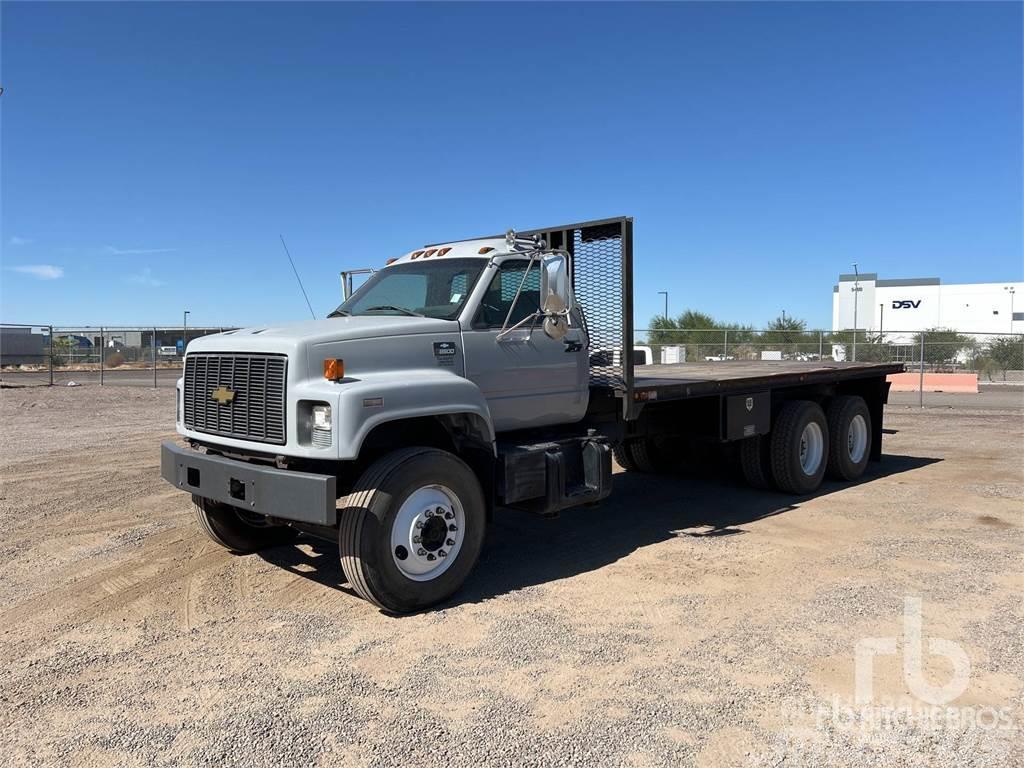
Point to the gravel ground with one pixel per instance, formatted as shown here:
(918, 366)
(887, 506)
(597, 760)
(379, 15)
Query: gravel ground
(686, 621)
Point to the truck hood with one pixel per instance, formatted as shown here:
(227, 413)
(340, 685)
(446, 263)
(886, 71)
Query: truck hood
(286, 338)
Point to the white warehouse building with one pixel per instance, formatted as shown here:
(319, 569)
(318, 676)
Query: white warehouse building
(902, 308)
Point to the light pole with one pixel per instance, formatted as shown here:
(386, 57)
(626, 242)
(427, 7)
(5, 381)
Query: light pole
(856, 290)
(881, 316)
(665, 294)
(1012, 289)
(184, 332)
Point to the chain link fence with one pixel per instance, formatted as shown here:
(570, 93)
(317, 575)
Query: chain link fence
(981, 359)
(32, 355)
(39, 355)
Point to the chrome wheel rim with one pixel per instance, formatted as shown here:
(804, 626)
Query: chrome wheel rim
(812, 448)
(427, 533)
(857, 438)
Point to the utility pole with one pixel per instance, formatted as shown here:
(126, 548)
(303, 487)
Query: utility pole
(665, 294)
(184, 332)
(881, 315)
(856, 292)
(1012, 290)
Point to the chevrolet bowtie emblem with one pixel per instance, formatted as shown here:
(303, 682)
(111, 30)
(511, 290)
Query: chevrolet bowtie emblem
(222, 395)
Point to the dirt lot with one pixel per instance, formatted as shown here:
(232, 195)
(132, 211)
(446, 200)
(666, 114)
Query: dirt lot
(687, 621)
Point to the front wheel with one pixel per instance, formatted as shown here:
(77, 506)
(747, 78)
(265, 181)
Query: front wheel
(412, 529)
(240, 531)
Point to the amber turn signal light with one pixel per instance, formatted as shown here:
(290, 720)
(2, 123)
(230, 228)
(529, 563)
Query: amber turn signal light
(334, 369)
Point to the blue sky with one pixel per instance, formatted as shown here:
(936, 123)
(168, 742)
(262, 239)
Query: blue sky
(152, 152)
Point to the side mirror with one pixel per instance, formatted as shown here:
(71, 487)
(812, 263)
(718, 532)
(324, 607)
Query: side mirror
(555, 294)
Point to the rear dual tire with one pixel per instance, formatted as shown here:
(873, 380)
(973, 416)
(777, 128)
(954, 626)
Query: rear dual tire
(807, 443)
(799, 447)
(849, 426)
(648, 455)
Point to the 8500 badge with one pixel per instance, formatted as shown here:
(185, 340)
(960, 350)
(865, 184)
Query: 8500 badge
(444, 352)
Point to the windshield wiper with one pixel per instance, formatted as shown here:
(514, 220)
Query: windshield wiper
(392, 307)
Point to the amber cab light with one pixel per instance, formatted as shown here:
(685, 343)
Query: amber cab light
(485, 249)
(334, 369)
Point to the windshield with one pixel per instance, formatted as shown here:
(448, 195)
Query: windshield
(424, 288)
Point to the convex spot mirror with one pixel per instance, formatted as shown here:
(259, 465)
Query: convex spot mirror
(556, 327)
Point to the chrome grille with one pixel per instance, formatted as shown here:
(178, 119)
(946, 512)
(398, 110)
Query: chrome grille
(257, 410)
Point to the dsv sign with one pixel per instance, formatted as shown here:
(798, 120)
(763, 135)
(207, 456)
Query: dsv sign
(906, 304)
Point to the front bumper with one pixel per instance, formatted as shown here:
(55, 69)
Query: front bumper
(289, 495)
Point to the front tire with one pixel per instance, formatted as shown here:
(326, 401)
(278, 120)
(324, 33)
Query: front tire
(237, 530)
(799, 449)
(412, 529)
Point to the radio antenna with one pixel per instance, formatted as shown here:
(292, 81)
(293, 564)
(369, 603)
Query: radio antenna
(299, 279)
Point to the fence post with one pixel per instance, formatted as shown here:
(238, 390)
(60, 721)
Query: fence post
(821, 346)
(153, 346)
(51, 355)
(103, 347)
(920, 385)
(725, 344)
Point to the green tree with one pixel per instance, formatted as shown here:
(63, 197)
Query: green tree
(1005, 353)
(789, 335)
(871, 347)
(60, 350)
(701, 334)
(944, 347)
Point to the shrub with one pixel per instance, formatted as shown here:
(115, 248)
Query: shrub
(114, 359)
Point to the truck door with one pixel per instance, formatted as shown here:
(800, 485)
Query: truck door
(528, 378)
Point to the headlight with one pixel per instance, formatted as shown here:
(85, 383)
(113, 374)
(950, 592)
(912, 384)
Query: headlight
(322, 417)
(321, 437)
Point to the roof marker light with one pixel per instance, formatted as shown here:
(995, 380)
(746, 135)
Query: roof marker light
(417, 254)
(443, 251)
(485, 249)
(430, 253)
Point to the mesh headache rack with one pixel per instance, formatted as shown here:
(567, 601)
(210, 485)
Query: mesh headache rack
(602, 280)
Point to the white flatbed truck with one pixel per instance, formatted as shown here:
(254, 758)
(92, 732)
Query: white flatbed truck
(467, 377)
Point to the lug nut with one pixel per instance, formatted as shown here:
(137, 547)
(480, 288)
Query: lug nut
(448, 515)
(439, 510)
(429, 513)
(421, 551)
(453, 527)
(417, 539)
(450, 542)
(431, 557)
(442, 553)
(419, 523)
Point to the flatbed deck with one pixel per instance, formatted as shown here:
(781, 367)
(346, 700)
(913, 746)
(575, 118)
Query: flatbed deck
(684, 380)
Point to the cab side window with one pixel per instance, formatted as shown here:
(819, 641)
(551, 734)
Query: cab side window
(502, 291)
